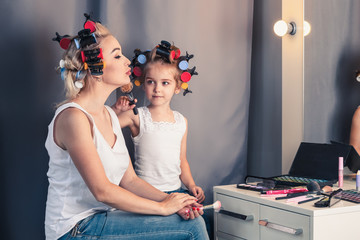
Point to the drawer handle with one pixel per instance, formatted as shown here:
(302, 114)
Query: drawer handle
(281, 228)
(237, 215)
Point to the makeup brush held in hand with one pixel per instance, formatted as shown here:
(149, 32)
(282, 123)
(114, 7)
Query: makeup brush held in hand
(127, 89)
(216, 206)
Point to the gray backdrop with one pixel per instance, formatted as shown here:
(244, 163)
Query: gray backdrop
(264, 138)
(332, 56)
(217, 137)
(220, 36)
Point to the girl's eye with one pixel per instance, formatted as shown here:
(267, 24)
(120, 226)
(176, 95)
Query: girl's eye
(165, 83)
(150, 82)
(118, 56)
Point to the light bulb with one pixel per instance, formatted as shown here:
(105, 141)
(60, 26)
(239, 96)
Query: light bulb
(307, 28)
(281, 28)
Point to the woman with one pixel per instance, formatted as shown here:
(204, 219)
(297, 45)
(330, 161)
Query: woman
(355, 131)
(93, 189)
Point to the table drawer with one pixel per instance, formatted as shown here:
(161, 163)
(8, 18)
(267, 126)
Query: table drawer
(224, 236)
(237, 217)
(279, 224)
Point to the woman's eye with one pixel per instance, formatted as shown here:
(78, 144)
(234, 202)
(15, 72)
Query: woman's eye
(118, 56)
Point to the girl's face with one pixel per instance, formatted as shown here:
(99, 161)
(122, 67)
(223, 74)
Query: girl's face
(117, 70)
(160, 85)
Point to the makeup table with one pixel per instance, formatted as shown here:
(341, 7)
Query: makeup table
(245, 214)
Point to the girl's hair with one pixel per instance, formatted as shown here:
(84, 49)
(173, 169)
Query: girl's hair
(73, 62)
(165, 54)
(152, 57)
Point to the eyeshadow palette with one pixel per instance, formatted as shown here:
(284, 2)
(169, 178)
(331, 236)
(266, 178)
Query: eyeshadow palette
(298, 181)
(351, 196)
(257, 188)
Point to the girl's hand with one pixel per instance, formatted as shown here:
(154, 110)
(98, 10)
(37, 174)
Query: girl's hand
(196, 210)
(175, 202)
(123, 105)
(185, 212)
(197, 192)
(191, 212)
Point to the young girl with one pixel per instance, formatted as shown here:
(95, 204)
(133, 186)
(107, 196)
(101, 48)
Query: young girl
(159, 133)
(90, 173)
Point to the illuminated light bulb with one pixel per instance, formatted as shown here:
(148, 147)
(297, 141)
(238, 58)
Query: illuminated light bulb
(358, 76)
(307, 28)
(281, 28)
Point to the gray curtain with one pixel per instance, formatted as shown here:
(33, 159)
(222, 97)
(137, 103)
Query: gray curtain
(219, 34)
(332, 57)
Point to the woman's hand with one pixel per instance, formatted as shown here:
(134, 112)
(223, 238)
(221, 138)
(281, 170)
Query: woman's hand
(123, 105)
(197, 192)
(175, 202)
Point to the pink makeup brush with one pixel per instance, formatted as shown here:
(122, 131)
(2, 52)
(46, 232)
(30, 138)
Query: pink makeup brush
(216, 206)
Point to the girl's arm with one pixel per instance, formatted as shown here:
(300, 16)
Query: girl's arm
(73, 133)
(355, 131)
(185, 175)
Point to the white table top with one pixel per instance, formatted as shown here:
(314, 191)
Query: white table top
(305, 208)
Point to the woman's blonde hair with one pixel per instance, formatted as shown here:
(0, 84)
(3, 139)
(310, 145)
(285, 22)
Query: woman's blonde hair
(73, 63)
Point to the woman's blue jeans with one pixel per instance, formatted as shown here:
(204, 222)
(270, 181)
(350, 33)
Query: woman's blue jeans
(116, 225)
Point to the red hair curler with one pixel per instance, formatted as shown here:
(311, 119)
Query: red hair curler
(90, 25)
(137, 71)
(65, 43)
(177, 54)
(83, 58)
(185, 76)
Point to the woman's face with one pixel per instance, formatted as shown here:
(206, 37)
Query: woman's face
(117, 70)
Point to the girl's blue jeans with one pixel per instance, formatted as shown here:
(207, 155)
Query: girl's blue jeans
(116, 225)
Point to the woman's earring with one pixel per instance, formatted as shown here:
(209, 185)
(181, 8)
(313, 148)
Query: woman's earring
(80, 75)
(79, 84)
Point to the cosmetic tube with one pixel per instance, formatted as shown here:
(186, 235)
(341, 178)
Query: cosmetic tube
(341, 172)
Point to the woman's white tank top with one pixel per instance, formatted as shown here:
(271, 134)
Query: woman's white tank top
(69, 199)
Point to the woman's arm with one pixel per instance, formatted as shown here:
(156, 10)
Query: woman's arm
(134, 184)
(186, 176)
(126, 117)
(73, 133)
(355, 131)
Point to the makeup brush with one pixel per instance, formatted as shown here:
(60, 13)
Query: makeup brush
(216, 206)
(127, 89)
